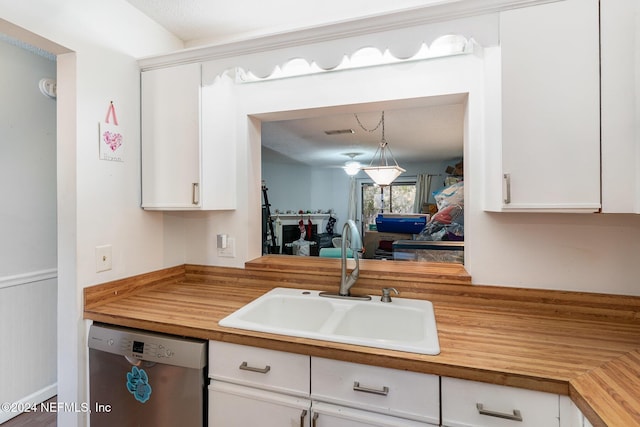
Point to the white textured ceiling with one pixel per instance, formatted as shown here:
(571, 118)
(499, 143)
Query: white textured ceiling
(420, 130)
(199, 22)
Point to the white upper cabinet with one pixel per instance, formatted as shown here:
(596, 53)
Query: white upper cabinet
(550, 108)
(171, 137)
(620, 40)
(183, 167)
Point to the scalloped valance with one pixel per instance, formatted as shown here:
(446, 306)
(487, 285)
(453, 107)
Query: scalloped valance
(398, 44)
(367, 56)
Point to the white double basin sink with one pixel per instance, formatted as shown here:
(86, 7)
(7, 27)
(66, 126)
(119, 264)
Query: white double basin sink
(403, 324)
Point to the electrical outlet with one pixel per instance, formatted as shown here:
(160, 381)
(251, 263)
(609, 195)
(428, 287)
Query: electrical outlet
(103, 258)
(230, 250)
(222, 241)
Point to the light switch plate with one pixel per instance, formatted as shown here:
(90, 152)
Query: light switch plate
(103, 258)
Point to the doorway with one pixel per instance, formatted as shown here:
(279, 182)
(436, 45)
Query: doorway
(28, 250)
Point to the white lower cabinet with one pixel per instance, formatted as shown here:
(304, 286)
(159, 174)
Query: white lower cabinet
(254, 386)
(258, 387)
(570, 414)
(401, 394)
(272, 370)
(328, 415)
(473, 404)
(232, 405)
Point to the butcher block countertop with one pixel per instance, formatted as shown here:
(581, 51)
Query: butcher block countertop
(583, 345)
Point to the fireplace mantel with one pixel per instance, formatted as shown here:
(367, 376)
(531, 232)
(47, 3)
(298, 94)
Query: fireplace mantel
(320, 220)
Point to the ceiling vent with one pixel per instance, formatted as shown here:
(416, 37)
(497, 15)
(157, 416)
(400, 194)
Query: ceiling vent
(339, 131)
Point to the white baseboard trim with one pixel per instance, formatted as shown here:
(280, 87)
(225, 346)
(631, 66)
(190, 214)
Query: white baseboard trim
(15, 408)
(23, 279)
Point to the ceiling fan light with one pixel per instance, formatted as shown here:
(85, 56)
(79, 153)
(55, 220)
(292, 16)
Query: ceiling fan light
(352, 167)
(383, 175)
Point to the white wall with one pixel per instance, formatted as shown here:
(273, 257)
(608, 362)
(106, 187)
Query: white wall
(288, 186)
(27, 163)
(98, 201)
(28, 255)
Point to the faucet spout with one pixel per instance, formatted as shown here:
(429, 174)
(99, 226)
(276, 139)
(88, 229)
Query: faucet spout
(349, 234)
(347, 280)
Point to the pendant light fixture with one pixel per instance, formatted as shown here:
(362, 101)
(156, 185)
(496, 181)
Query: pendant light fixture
(380, 170)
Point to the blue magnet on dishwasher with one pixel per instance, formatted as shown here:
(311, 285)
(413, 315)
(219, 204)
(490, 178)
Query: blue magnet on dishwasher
(138, 384)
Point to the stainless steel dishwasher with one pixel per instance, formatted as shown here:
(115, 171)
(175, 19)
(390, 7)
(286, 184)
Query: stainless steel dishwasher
(143, 379)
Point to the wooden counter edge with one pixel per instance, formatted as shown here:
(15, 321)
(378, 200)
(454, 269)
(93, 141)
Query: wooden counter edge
(603, 394)
(97, 295)
(373, 269)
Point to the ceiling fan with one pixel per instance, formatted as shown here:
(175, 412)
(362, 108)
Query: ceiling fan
(351, 166)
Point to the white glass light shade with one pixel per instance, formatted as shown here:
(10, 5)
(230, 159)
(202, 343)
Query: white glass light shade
(383, 175)
(352, 168)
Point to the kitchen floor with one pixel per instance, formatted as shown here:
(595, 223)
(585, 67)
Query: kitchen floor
(34, 419)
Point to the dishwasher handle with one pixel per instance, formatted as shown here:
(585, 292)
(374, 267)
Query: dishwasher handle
(133, 361)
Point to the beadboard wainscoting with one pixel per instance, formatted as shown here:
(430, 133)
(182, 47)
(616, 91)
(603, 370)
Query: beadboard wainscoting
(28, 335)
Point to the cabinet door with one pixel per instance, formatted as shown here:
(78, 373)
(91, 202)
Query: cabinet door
(171, 137)
(394, 392)
(570, 415)
(273, 370)
(620, 41)
(550, 107)
(326, 415)
(231, 405)
(475, 404)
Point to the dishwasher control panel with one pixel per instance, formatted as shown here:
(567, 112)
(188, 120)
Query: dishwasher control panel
(148, 346)
(146, 349)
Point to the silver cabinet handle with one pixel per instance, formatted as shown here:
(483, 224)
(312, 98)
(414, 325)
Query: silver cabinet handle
(314, 420)
(357, 387)
(303, 415)
(195, 193)
(245, 367)
(515, 417)
(507, 185)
